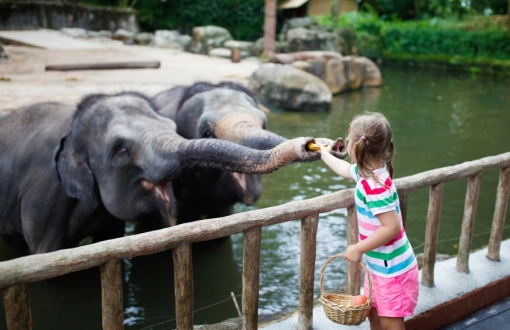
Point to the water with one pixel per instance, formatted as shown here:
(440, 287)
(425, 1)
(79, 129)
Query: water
(439, 119)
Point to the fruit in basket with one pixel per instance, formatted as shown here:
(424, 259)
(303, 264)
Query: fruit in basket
(358, 300)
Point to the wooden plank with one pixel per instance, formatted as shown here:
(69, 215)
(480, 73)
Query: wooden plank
(498, 221)
(353, 269)
(104, 66)
(251, 273)
(307, 258)
(47, 265)
(43, 266)
(455, 172)
(183, 283)
(431, 234)
(468, 222)
(111, 293)
(18, 314)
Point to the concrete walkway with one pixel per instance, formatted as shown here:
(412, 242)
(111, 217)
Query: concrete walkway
(47, 39)
(449, 284)
(24, 81)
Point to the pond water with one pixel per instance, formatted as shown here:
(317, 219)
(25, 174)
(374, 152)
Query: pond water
(439, 119)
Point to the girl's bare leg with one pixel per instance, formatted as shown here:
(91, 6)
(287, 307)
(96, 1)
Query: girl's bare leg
(375, 320)
(392, 323)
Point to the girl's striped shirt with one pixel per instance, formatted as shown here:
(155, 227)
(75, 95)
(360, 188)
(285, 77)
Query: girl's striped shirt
(397, 256)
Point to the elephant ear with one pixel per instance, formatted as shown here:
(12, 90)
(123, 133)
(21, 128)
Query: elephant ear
(75, 174)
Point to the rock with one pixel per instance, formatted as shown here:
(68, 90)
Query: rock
(100, 34)
(184, 40)
(340, 73)
(286, 58)
(164, 38)
(3, 53)
(144, 38)
(75, 32)
(246, 46)
(258, 47)
(220, 52)
(289, 88)
(205, 38)
(304, 22)
(226, 53)
(372, 76)
(123, 35)
(301, 39)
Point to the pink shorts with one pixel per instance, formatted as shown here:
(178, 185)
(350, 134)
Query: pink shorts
(394, 296)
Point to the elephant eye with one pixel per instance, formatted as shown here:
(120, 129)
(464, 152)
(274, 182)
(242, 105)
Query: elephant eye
(207, 134)
(121, 150)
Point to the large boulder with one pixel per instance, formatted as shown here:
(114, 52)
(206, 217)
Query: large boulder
(172, 39)
(340, 73)
(205, 38)
(287, 87)
(302, 39)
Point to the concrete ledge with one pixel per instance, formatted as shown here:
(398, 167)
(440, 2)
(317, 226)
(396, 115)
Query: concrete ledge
(461, 307)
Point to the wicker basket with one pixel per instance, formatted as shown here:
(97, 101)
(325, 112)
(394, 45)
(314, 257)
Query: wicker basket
(337, 307)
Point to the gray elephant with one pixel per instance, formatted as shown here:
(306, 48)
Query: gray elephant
(71, 172)
(224, 111)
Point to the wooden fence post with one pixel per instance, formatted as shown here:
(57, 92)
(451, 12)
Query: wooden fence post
(431, 234)
(498, 222)
(308, 253)
(111, 294)
(403, 207)
(183, 283)
(17, 307)
(468, 222)
(251, 275)
(353, 270)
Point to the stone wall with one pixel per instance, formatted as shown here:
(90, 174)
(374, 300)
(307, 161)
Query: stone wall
(16, 15)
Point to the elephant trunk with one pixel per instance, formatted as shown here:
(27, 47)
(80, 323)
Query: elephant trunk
(228, 156)
(256, 138)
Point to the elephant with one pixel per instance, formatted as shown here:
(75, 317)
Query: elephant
(224, 111)
(75, 171)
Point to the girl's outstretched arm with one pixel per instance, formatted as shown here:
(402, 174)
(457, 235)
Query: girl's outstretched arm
(339, 166)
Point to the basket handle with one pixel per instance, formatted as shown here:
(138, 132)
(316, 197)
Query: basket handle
(369, 297)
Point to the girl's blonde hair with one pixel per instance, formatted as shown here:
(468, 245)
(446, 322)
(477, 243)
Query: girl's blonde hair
(371, 142)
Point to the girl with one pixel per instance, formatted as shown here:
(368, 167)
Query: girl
(389, 257)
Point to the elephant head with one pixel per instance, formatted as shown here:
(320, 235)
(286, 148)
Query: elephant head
(120, 153)
(225, 111)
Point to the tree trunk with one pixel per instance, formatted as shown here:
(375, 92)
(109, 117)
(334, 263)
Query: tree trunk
(270, 27)
(336, 10)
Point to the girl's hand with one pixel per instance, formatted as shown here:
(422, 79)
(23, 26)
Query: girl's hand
(353, 254)
(325, 149)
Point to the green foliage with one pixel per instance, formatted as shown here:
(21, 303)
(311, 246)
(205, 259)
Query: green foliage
(243, 18)
(416, 9)
(475, 43)
(413, 38)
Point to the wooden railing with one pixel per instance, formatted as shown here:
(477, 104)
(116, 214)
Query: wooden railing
(15, 274)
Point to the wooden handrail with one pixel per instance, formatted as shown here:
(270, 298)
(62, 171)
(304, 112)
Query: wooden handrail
(14, 274)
